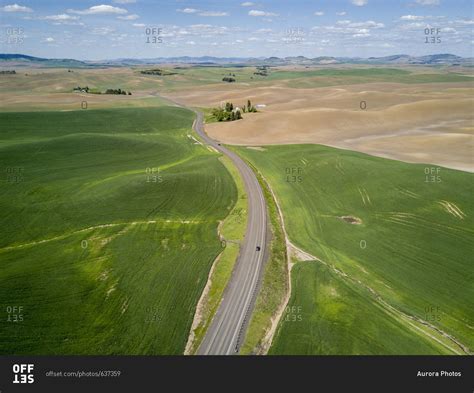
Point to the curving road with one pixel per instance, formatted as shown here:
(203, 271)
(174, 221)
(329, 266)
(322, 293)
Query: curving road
(227, 329)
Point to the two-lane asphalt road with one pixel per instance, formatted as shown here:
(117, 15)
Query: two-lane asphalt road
(224, 335)
(227, 329)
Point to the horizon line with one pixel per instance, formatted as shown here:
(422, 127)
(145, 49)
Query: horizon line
(232, 57)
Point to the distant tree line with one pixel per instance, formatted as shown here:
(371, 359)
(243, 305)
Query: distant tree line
(82, 89)
(117, 91)
(7, 72)
(157, 71)
(86, 89)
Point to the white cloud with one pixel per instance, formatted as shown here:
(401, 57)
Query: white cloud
(342, 13)
(61, 17)
(368, 24)
(465, 21)
(102, 30)
(347, 29)
(99, 9)
(16, 8)
(188, 10)
(49, 39)
(247, 4)
(359, 3)
(414, 26)
(319, 13)
(213, 13)
(412, 17)
(128, 17)
(190, 43)
(427, 2)
(124, 1)
(261, 13)
(138, 24)
(201, 26)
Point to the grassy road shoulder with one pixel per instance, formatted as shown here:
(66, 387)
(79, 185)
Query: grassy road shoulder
(231, 232)
(275, 282)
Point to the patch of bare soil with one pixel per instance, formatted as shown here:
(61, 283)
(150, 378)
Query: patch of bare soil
(351, 220)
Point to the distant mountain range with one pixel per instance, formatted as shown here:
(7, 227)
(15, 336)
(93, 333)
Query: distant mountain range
(20, 60)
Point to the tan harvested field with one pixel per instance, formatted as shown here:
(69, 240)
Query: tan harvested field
(427, 123)
(413, 122)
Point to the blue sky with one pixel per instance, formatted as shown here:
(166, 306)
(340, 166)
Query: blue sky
(99, 29)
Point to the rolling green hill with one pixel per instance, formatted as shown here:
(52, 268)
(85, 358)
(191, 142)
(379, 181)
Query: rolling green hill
(395, 252)
(108, 230)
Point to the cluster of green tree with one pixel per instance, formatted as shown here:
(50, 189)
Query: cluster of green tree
(261, 70)
(82, 89)
(249, 107)
(228, 79)
(231, 113)
(117, 91)
(157, 71)
(228, 113)
(8, 72)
